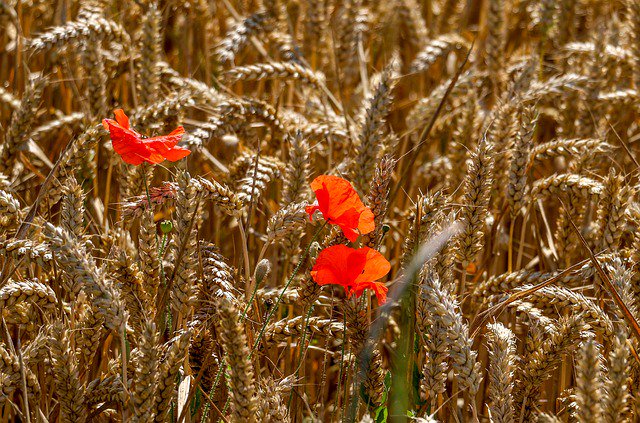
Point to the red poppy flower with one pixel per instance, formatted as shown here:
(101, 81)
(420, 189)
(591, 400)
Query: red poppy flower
(135, 149)
(340, 205)
(354, 269)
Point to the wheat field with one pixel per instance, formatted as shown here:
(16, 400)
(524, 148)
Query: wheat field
(492, 144)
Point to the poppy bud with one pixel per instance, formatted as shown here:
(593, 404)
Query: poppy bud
(166, 226)
(385, 228)
(313, 250)
(262, 270)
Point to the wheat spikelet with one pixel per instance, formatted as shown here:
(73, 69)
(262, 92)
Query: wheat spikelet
(611, 214)
(30, 292)
(147, 76)
(273, 70)
(148, 254)
(554, 86)
(197, 89)
(286, 46)
(475, 200)
(91, 8)
(37, 350)
(573, 147)
(145, 360)
(436, 49)
(218, 279)
(411, 22)
(187, 222)
(542, 361)
(295, 187)
(230, 115)
(547, 418)
(69, 390)
(270, 295)
(502, 355)
(376, 111)
(517, 187)
(72, 120)
(434, 336)
(357, 323)
(167, 372)
(445, 311)
(505, 282)
(10, 375)
(287, 221)
(107, 390)
(130, 283)
(168, 109)
(10, 211)
(74, 32)
(423, 111)
(552, 297)
(21, 120)
(244, 402)
(616, 395)
(200, 350)
(272, 405)
(618, 55)
(427, 213)
(438, 169)
(351, 24)
(307, 292)
(82, 147)
(77, 263)
(282, 329)
(495, 45)
(315, 24)
(219, 194)
(257, 173)
(73, 208)
(97, 77)
(435, 365)
(374, 381)
(579, 186)
(500, 133)
(32, 252)
(589, 382)
(377, 199)
(237, 38)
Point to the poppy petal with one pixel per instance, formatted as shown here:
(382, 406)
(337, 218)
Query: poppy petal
(376, 266)
(349, 232)
(166, 141)
(134, 149)
(366, 223)
(121, 118)
(338, 265)
(176, 153)
(311, 210)
(341, 205)
(378, 288)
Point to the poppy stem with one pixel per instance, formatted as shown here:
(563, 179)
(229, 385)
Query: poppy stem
(284, 289)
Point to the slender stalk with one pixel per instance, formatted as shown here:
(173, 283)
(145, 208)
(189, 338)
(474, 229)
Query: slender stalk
(510, 248)
(286, 286)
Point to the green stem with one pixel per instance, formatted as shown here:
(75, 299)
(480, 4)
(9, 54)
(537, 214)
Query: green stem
(286, 286)
(302, 348)
(246, 309)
